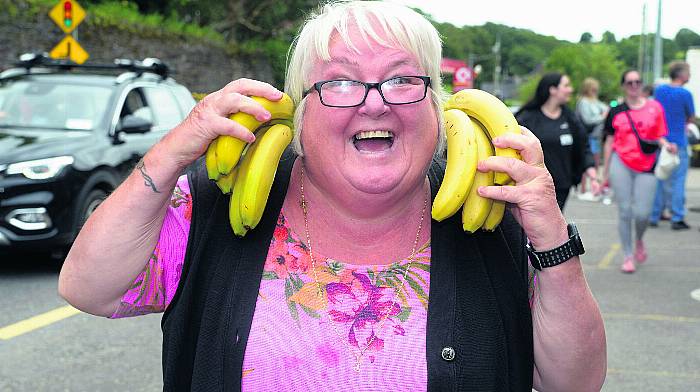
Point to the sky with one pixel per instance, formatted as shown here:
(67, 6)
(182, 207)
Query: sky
(567, 19)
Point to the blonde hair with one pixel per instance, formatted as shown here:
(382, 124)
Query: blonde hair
(402, 27)
(588, 85)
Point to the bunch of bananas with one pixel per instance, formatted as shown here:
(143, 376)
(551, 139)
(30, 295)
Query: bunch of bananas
(472, 118)
(246, 171)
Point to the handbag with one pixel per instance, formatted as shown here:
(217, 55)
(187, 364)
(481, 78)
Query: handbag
(648, 146)
(666, 164)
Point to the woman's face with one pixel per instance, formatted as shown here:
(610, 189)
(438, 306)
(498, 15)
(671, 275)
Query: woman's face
(632, 85)
(374, 148)
(562, 92)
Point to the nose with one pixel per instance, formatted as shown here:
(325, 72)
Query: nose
(374, 104)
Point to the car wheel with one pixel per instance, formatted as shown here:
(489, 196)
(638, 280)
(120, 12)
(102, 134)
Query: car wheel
(89, 205)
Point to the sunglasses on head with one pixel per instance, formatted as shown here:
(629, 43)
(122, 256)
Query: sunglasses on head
(633, 82)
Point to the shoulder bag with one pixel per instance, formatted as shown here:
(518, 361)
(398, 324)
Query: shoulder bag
(648, 146)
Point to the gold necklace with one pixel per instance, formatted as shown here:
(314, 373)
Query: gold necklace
(359, 355)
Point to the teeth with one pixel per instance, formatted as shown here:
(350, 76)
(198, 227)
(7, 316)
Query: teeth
(373, 134)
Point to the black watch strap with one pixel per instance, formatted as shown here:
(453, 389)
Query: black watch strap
(549, 258)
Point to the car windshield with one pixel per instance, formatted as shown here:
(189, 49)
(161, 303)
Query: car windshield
(63, 106)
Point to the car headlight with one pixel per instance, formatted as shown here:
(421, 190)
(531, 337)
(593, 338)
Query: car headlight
(40, 169)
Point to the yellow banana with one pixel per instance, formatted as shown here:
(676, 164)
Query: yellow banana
(461, 165)
(476, 208)
(493, 114)
(228, 153)
(229, 149)
(234, 208)
(234, 211)
(210, 159)
(260, 173)
(495, 215)
(225, 182)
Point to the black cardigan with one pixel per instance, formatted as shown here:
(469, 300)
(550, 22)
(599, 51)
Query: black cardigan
(477, 303)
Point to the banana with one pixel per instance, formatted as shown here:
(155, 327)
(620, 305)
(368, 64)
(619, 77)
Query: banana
(495, 215)
(210, 159)
(493, 114)
(225, 182)
(229, 149)
(476, 208)
(234, 211)
(234, 208)
(264, 157)
(228, 153)
(461, 165)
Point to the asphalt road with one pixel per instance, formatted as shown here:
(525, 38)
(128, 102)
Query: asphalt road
(652, 321)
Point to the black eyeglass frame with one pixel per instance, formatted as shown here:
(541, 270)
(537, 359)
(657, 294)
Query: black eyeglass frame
(635, 82)
(368, 86)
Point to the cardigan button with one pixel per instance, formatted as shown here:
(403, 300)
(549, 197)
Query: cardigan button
(448, 353)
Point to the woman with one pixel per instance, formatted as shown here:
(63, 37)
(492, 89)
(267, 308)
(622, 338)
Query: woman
(562, 136)
(592, 113)
(629, 169)
(346, 284)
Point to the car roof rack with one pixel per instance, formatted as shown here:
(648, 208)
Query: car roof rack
(28, 61)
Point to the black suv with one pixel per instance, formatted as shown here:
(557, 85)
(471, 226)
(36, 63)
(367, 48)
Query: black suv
(69, 134)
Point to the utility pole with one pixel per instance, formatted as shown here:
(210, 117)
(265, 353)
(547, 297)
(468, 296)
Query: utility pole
(497, 66)
(642, 47)
(658, 47)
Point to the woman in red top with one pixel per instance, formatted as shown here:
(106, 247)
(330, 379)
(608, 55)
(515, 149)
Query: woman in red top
(630, 170)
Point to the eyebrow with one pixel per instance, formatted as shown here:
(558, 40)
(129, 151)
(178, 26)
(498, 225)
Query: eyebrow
(352, 62)
(344, 61)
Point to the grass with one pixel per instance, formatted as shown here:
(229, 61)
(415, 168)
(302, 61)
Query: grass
(123, 15)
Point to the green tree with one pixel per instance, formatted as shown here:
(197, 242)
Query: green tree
(579, 62)
(586, 38)
(608, 38)
(686, 38)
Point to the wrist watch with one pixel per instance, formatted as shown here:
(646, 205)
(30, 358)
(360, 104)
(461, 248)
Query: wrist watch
(549, 258)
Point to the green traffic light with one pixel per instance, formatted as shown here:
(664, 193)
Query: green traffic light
(613, 103)
(67, 22)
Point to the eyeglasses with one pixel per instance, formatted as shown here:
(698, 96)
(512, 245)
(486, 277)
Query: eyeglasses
(633, 82)
(399, 90)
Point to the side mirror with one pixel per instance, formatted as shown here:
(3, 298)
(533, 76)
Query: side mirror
(134, 124)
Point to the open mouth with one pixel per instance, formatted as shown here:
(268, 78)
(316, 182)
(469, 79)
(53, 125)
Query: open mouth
(373, 141)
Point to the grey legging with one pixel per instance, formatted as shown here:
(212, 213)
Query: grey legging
(634, 194)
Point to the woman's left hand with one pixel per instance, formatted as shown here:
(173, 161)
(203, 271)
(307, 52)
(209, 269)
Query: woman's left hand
(532, 198)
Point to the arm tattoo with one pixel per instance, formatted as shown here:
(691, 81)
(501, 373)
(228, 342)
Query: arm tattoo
(148, 181)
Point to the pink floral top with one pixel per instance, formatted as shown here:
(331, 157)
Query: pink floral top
(367, 317)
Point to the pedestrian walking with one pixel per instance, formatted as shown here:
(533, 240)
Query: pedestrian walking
(592, 112)
(563, 137)
(679, 112)
(634, 131)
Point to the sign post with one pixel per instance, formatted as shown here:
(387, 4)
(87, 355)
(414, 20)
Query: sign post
(67, 15)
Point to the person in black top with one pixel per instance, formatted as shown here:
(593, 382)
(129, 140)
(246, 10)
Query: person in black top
(563, 137)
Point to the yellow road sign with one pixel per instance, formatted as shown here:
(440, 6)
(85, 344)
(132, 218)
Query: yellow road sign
(69, 48)
(67, 14)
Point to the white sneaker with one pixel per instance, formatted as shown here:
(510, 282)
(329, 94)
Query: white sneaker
(588, 196)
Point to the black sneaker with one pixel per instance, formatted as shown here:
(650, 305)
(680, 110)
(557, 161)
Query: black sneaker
(680, 225)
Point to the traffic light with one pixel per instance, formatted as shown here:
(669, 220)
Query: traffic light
(613, 103)
(67, 13)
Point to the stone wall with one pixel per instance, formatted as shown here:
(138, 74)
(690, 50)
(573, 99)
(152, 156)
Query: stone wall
(201, 66)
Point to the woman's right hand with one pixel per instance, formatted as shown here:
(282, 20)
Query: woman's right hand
(210, 118)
